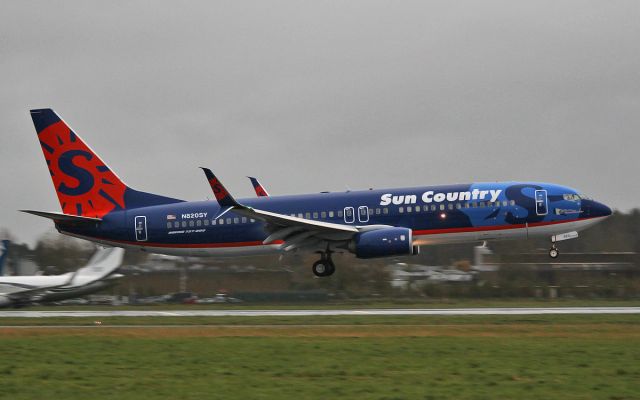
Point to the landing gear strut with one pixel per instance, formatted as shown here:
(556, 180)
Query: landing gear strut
(553, 252)
(324, 266)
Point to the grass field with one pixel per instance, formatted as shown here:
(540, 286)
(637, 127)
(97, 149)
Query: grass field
(474, 357)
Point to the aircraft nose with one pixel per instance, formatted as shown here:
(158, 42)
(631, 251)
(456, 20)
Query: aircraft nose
(597, 209)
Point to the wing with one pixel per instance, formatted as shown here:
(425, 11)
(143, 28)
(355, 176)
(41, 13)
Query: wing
(295, 232)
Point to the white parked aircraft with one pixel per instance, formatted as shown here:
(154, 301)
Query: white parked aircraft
(98, 274)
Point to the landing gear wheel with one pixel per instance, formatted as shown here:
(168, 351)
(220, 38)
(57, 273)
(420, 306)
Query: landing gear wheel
(322, 268)
(554, 253)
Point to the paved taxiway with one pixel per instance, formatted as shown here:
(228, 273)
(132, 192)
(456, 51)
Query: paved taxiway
(353, 312)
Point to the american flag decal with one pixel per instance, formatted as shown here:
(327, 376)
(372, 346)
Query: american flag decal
(171, 217)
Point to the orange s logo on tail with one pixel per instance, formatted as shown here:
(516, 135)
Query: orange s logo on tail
(84, 184)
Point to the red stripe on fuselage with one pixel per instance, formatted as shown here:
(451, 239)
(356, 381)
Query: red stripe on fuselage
(494, 228)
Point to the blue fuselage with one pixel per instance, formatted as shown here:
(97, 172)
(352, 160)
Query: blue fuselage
(434, 214)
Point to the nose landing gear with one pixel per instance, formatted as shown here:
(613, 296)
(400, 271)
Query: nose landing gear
(324, 266)
(554, 252)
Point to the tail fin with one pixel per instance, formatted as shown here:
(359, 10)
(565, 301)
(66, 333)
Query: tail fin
(4, 252)
(102, 264)
(85, 185)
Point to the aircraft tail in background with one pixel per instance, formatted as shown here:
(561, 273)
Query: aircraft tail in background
(4, 252)
(102, 264)
(85, 185)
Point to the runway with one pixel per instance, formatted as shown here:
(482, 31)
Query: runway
(307, 313)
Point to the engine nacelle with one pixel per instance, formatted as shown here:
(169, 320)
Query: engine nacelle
(5, 301)
(382, 243)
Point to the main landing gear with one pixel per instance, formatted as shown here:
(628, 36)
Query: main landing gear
(324, 266)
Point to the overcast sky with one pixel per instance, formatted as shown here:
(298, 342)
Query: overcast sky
(316, 95)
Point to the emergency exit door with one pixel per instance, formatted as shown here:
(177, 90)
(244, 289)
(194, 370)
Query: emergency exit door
(141, 228)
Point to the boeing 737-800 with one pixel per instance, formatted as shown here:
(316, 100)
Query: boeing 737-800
(97, 205)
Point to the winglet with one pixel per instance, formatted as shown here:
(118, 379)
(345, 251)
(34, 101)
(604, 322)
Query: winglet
(222, 195)
(260, 191)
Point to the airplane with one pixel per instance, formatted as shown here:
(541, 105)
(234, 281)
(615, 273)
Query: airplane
(99, 206)
(98, 274)
(259, 189)
(4, 253)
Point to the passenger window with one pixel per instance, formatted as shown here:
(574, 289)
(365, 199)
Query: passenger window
(377, 211)
(504, 203)
(184, 224)
(176, 224)
(252, 220)
(169, 225)
(198, 223)
(300, 215)
(466, 205)
(401, 210)
(330, 214)
(433, 207)
(315, 215)
(323, 214)
(450, 206)
(206, 222)
(512, 202)
(339, 214)
(244, 220)
(221, 221)
(213, 222)
(385, 211)
(228, 221)
(236, 220)
(441, 207)
(191, 223)
(458, 206)
(409, 209)
(307, 215)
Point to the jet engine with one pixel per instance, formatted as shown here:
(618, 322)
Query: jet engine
(382, 243)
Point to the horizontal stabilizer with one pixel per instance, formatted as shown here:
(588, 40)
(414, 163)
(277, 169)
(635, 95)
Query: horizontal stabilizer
(60, 217)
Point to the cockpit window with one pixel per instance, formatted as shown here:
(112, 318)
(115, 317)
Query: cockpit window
(571, 197)
(575, 197)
